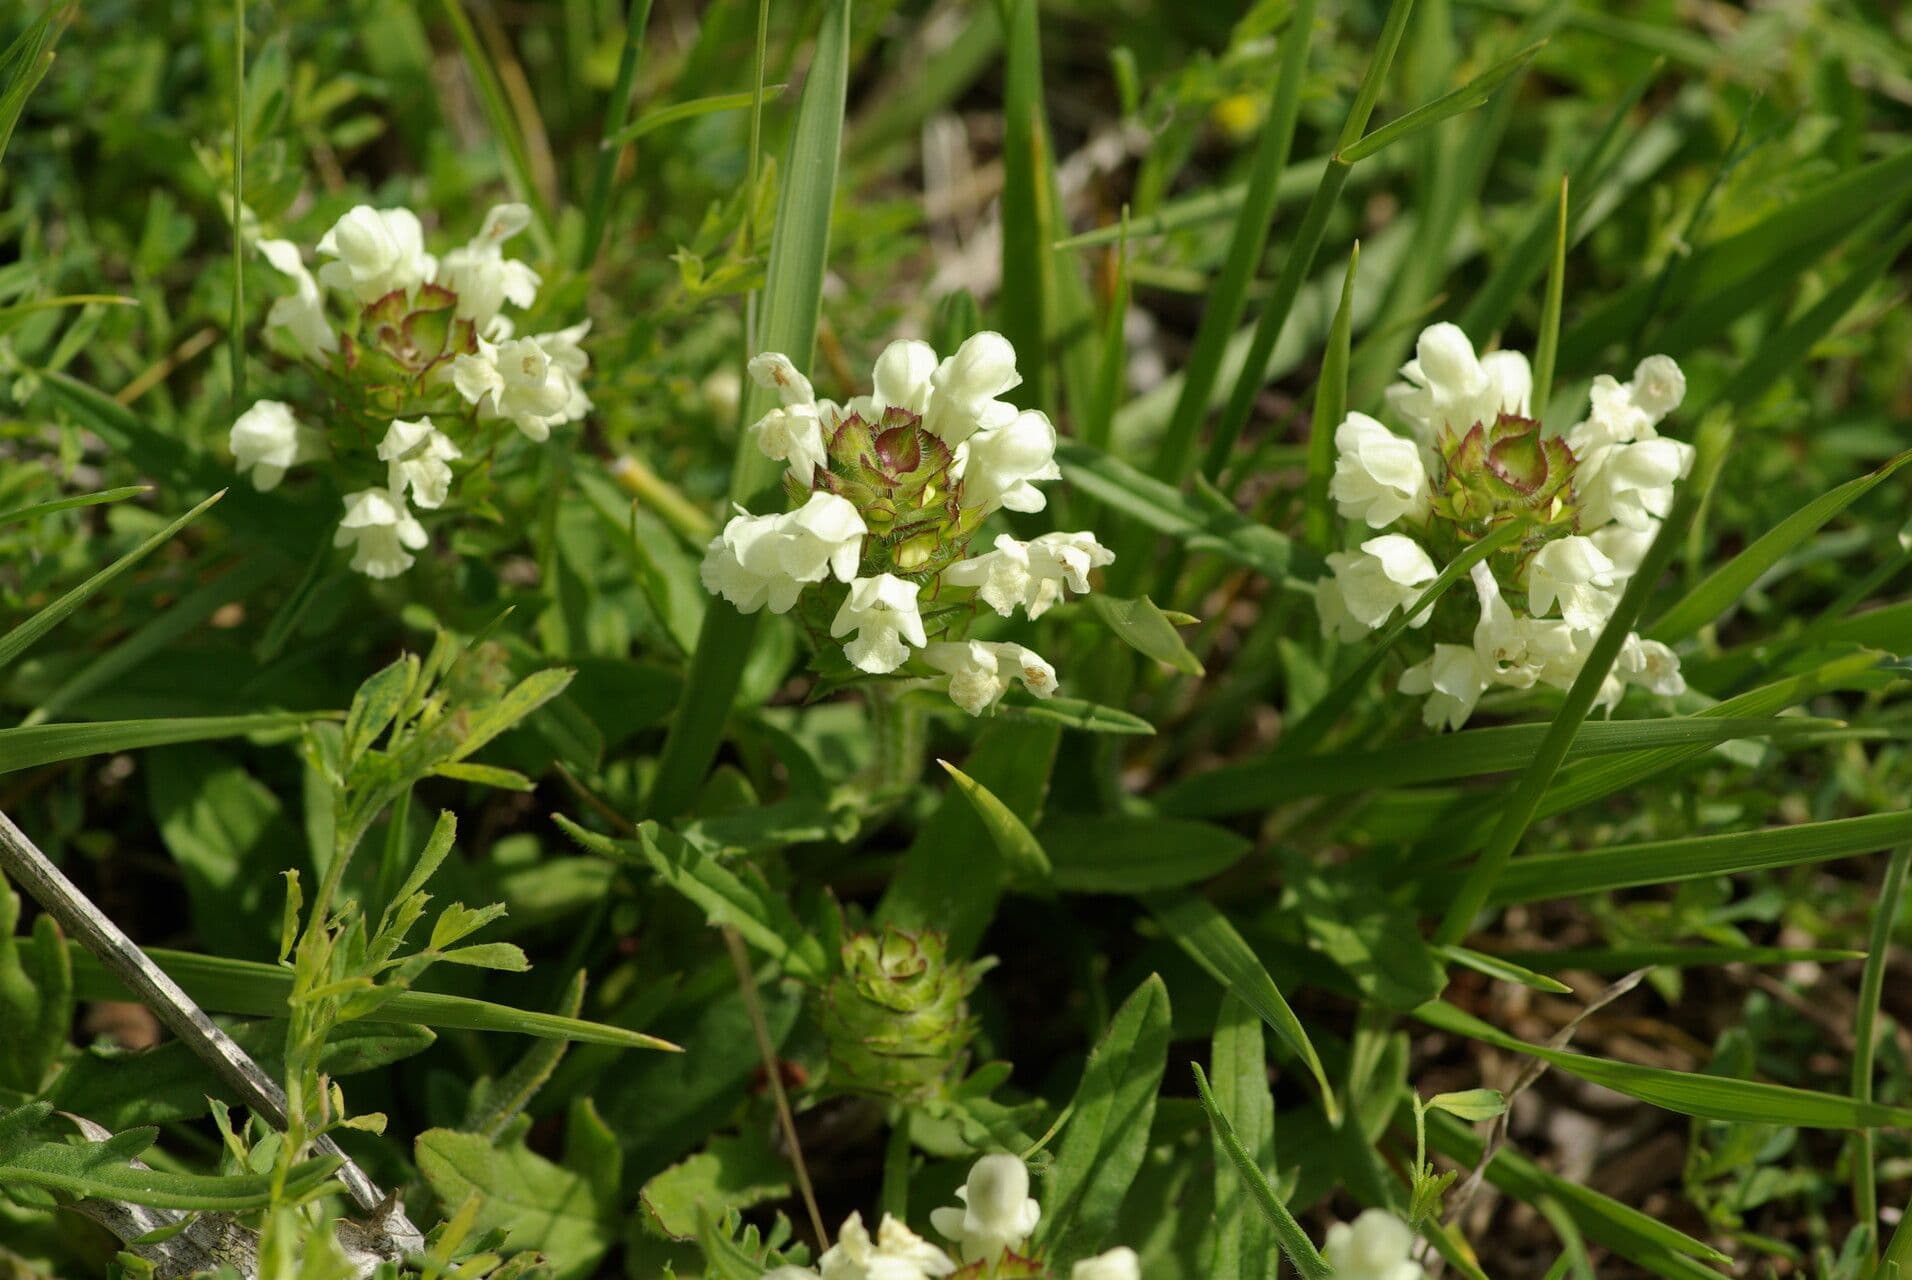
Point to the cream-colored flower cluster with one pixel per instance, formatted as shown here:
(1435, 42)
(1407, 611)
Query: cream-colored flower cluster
(989, 1231)
(887, 491)
(416, 352)
(1474, 459)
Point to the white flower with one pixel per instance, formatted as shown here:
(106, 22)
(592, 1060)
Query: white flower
(1001, 577)
(1631, 483)
(1388, 573)
(1520, 652)
(999, 465)
(301, 312)
(381, 533)
(773, 371)
(378, 251)
(1453, 680)
(1651, 665)
(1575, 574)
(1376, 1247)
(794, 435)
(902, 377)
(1378, 476)
(518, 379)
(417, 455)
(1332, 607)
(268, 441)
(760, 561)
(1117, 1264)
(882, 612)
(791, 1273)
(997, 1214)
(897, 1253)
(965, 386)
(979, 674)
(566, 352)
(1447, 387)
(480, 274)
(1658, 386)
(1624, 545)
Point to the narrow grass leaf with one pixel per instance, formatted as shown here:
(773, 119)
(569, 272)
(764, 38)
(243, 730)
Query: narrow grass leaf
(1503, 969)
(1130, 853)
(26, 633)
(1547, 345)
(31, 746)
(1143, 627)
(1195, 925)
(1625, 959)
(1287, 1232)
(677, 111)
(38, 509)
(1540, 877)
(1683, 1092)
(1330, 407)
(1469, 96)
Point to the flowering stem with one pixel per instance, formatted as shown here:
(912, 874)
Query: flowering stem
(898, 730)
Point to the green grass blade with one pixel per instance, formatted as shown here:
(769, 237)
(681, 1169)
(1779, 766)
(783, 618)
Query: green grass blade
(1307, 241)
(1195, 925)
(237, 337)
(1228, 291)
(1023, 302)
(26, 63)
(1724, 587)
(26, 633)
(1469, 96)
(1288, 1233)
(38, 509)
(261, 990)
(31, 746)
(1686, 1093)
(598, 209)
(1525, 802)
(1865, 1032)
(653, 120)
(1503, 969)
(1548, 876)
(1277, 778)
(1547, 345)
(1330, 407)
(792, 296)
(1627, 959)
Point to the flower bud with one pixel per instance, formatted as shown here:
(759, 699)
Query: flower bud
(896, 1018)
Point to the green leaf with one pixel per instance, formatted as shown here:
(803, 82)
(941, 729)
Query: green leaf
(1143, 627)
(261, 990)
(1541, 877)
(729, 1173)
(169, 1083)
(1165, 509)
(1022, 854)
(747, 905)
(1330, 409)
(1625, 959)
(1446, 107)
(1107, 1136)
(1503, 969)
(1288, 1233)
(34, 745)
(1028, 288)
(1239, 1061)
(1728, 584)
(1266, 781)
(1197, 927)
(29, 1157)
(1097, 853)
(36, 997)
(542, 1205)
(38, 509)
(1547, 345)
(14, 642)
(676, 111)
(1074, 713)
(1472, 1105)
(1708, 1097)
(1376, 942)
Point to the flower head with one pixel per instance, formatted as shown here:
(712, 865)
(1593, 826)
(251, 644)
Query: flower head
(997, 1213)
(381, 533)
(417, 457)
(882, 613)
(520, 379)
(375, 252)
